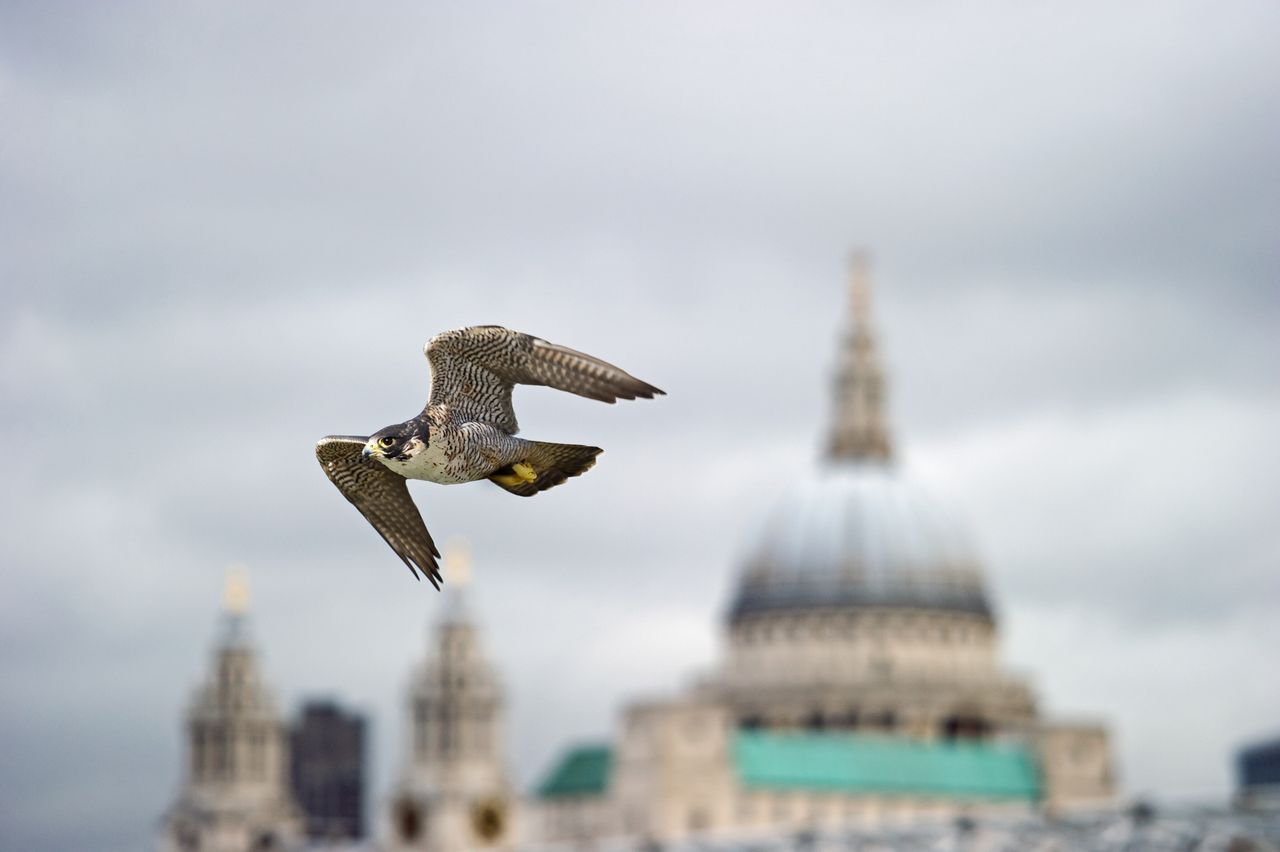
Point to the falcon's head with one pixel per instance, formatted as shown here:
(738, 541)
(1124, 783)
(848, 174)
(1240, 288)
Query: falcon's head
(398, 443)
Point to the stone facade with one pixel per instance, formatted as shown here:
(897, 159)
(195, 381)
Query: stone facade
(454, 794)
(235, 795)
(916, 672)
(673, 771)
(1076, 766)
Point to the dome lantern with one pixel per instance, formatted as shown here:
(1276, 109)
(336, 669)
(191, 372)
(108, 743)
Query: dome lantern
(858, 428)
(857, 533)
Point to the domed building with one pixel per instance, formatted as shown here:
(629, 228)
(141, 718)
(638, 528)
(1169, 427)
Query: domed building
(863, 605)
(861, 683)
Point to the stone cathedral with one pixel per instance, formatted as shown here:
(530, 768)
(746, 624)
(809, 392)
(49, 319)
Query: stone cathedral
(861, 686)
(235, 794)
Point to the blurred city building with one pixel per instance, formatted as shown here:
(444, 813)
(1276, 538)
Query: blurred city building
(453, 792)
(235, 794)
(328, 769)
(861, 685)
(860, 704)
(1258, 776)
(1135, 830)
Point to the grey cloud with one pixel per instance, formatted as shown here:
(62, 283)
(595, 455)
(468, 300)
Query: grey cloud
(232, 229)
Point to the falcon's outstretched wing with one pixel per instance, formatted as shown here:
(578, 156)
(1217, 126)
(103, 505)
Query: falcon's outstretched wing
(382, 496)
(474, 369)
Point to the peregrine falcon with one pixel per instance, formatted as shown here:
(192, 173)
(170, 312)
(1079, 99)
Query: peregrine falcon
(468, 431)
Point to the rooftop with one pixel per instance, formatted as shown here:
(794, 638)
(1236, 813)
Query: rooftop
(850, 763)
(583, 771)
(856, 763)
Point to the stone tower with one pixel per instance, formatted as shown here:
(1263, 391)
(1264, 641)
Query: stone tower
(859, 430)
(235, 794)
(454, 793)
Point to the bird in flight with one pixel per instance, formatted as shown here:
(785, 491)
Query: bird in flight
(467, 432)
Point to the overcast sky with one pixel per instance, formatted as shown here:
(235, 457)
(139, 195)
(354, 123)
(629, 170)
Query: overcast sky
(226, 231)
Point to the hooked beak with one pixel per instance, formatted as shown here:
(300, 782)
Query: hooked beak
(366, 452)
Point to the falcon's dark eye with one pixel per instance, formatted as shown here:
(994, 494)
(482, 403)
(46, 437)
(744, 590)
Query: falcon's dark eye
(386, 442)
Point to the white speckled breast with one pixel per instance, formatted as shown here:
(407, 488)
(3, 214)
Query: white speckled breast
(433, 463)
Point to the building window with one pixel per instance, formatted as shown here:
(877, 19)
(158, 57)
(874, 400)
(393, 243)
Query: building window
(258, 754)
(197, 752)
(188, 838)
(222, 751)
(408, 821)
(886, 720)
(420, 729)
(965, 727)
(447, 743)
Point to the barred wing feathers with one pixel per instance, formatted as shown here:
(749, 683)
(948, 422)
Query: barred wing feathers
(473, 371)
(382, 496)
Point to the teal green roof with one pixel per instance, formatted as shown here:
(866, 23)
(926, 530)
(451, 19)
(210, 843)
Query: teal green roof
(865, 763)
(583, 771)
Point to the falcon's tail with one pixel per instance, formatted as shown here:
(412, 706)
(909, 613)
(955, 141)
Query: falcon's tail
(552, 464)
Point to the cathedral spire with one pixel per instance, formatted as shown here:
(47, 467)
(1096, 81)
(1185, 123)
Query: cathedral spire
(235, 593)
(235, 606)
(235, 792)
(454, 795)
(858, 430)
(457, 577)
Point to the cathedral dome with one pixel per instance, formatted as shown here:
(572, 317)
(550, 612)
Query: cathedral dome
(857, 533)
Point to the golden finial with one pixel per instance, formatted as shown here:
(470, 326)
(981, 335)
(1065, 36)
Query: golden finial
(235, 594)
(457, 562)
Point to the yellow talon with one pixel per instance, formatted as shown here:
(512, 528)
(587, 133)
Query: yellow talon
(521, 473)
